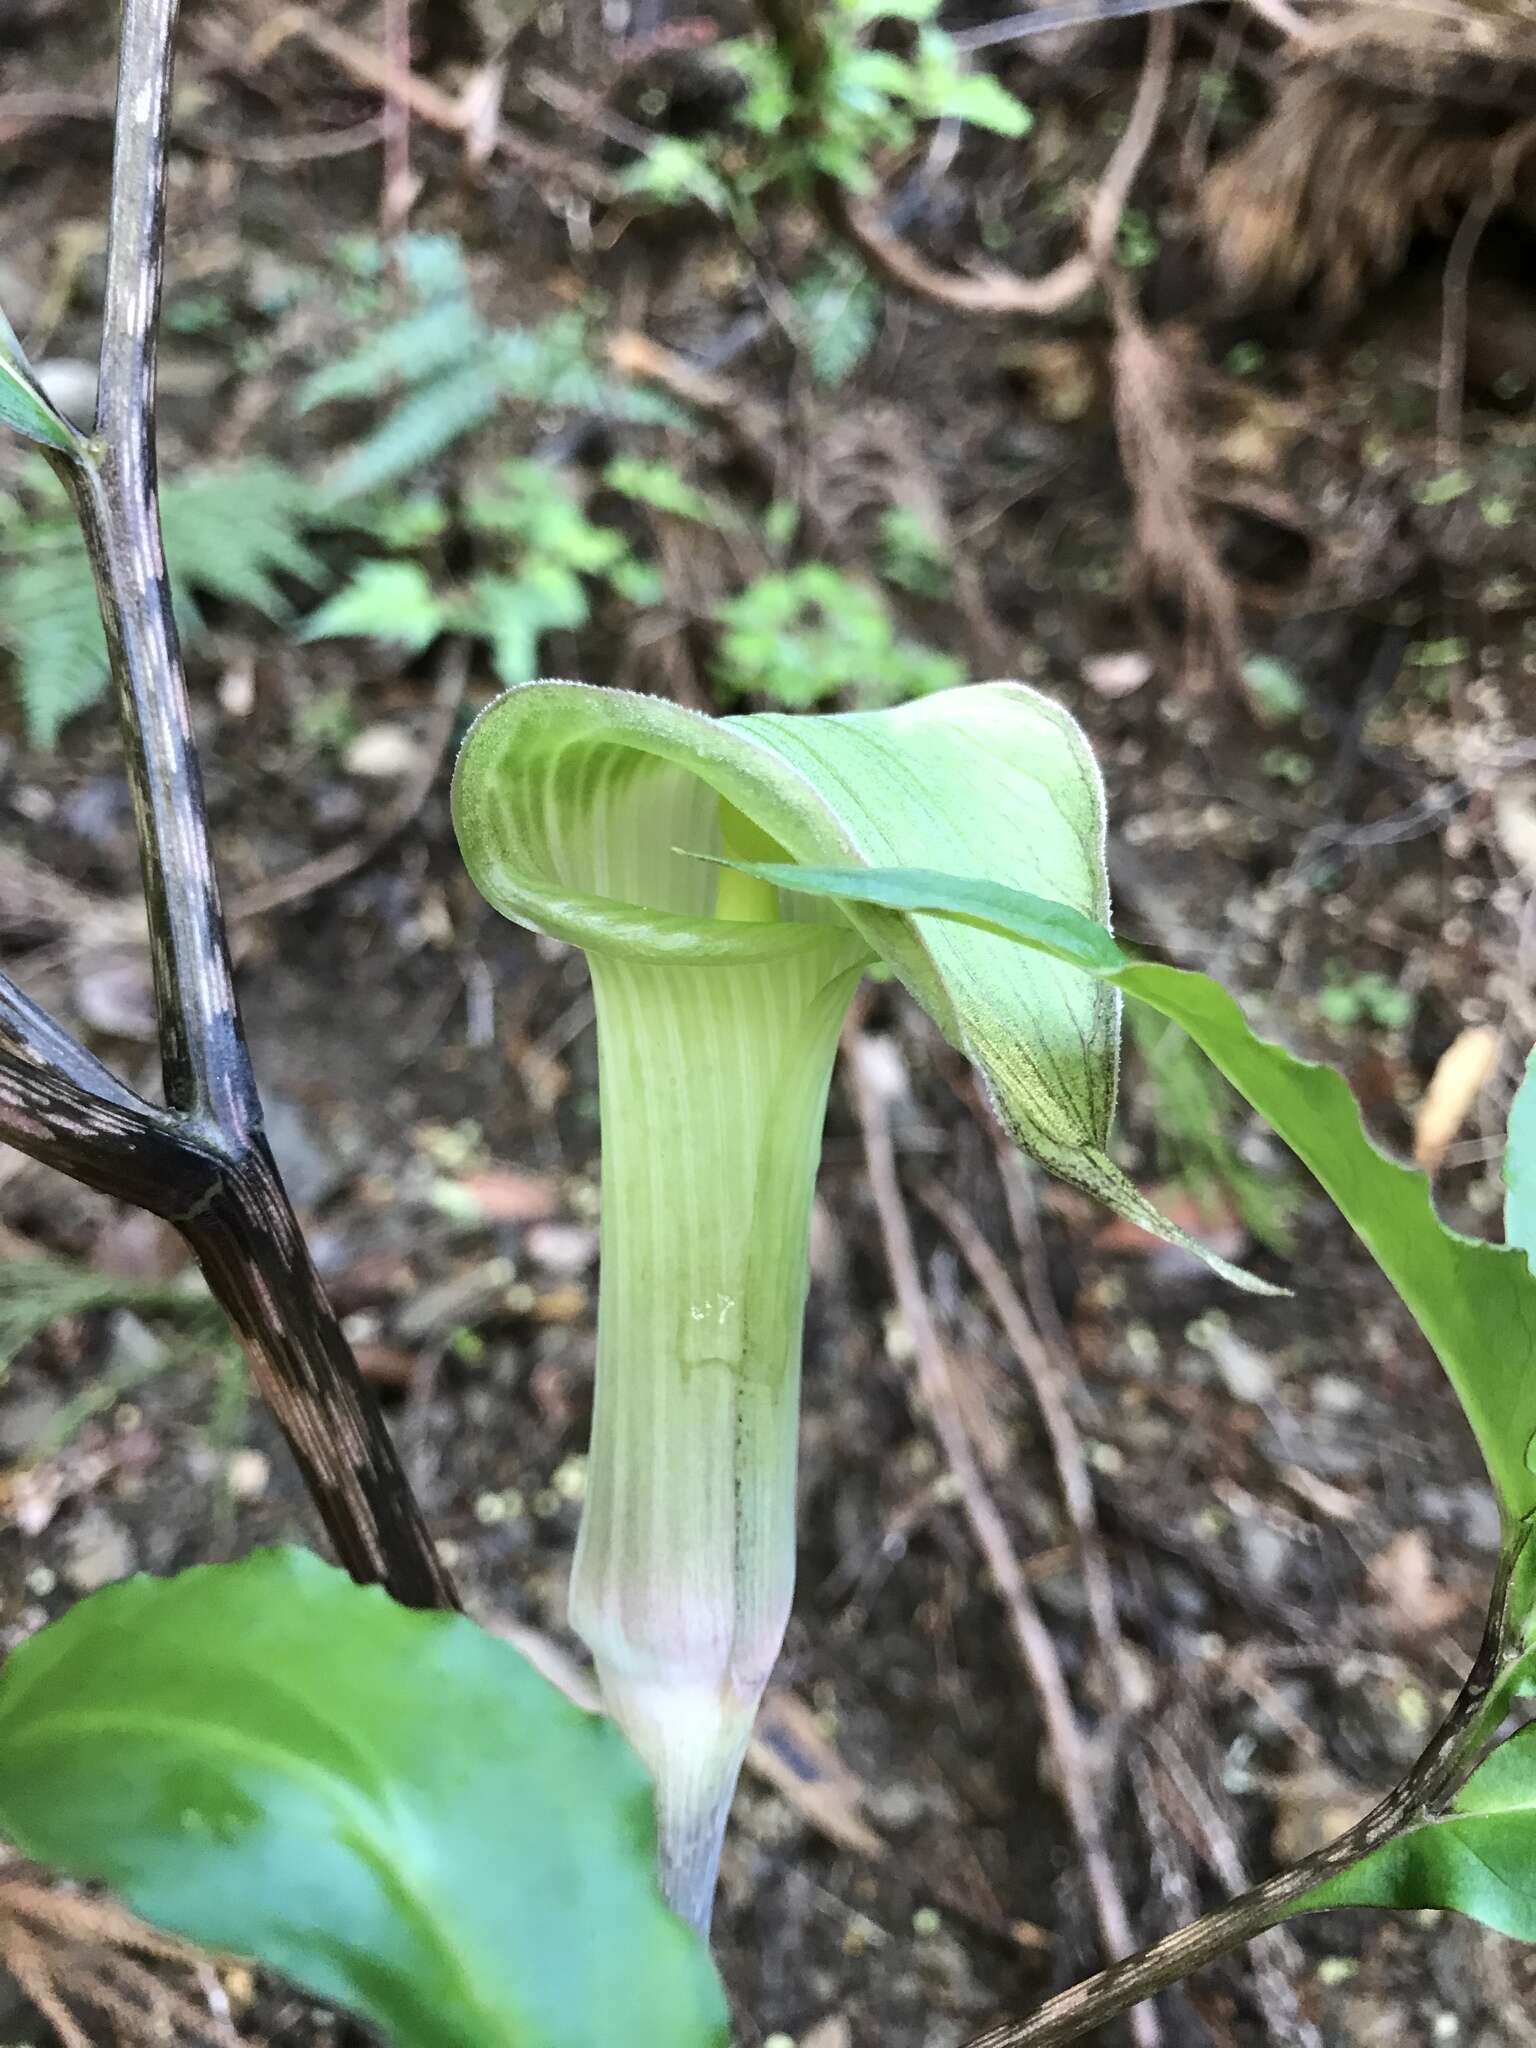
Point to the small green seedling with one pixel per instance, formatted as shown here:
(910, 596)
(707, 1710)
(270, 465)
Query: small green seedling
(540, 558)
(805, 635)
(871, 103)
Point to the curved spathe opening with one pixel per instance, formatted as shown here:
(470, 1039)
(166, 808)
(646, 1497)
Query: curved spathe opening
(583, 813)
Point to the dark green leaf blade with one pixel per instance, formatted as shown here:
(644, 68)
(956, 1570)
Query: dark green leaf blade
(1480, 1859)
(1475, 1302)
(393, 1809)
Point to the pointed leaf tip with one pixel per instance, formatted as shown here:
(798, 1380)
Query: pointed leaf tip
(24, 404)
(1475, 1302)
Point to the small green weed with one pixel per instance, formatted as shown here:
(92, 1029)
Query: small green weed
(539, 556)
(872, 102)
(445, 370)
(807, 634)
(1364, 999)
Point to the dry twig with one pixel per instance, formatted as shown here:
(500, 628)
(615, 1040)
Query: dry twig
(1047, 1383)
(1157, 451)
(1453, 325)
(1275, 1958)
(1064, 1733)
(428, 102)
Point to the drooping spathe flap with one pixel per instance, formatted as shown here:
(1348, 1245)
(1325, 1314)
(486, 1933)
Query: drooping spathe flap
(583, 812)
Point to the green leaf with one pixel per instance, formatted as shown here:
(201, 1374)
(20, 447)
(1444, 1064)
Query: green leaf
(841, 309)
(976, 96)
(1475, 1302)
(673, 170)
(233, 531)
(663, 487)
(390, 1808)
(23, 403)
(814, 633)
(411, 350)
(571, 806)
(894, 10)
(1520, 1164)
(1479, 1859)
(390, 601)
(514, 612)
(229, 531)
(434, 416)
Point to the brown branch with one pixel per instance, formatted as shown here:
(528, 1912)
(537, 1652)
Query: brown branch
(201, 1161)
(1424, 1795)
(1453, 325)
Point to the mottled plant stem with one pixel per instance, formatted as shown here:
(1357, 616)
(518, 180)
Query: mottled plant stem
(201, 1161)
(1451, 1756)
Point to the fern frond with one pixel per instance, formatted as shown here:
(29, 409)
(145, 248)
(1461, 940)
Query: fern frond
(37, 1292)
(392, 601)
(408, 351)
(231, 532)
(552, 365)
(50, 626)
(415, 433)
(434, 266)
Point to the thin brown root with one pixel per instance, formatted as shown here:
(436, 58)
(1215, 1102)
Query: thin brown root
(1176, 557)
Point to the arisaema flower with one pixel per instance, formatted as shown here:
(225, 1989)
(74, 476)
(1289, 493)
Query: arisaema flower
(599, 817)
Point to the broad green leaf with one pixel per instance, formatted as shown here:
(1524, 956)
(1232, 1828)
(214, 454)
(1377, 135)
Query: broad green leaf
(1475, 1302)
(23, 403)
(390, 1808)
(577, 810)
(1520, 1165)
(1480, 1859)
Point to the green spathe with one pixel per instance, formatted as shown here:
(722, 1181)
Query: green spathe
(577, 807)
(584, 813)
(1475, 1302)
(393, 1809)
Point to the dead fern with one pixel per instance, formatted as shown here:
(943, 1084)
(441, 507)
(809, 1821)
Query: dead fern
(1395, 119)
(1183, 582)
(71, 1954)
